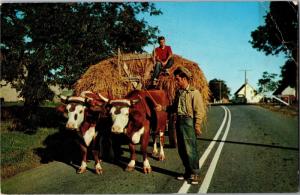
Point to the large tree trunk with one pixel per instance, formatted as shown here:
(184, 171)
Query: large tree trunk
(34, 91)
(30, 90)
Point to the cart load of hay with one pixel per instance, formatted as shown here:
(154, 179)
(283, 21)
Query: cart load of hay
(115, 77)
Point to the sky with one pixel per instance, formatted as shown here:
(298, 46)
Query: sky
(216, 35)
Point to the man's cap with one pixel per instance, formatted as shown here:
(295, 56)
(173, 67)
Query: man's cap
(184, 71)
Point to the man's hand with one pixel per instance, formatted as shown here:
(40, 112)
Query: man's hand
(158, 108)
(198, 131)
(164, 63)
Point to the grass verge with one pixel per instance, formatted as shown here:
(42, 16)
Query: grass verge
(17, 149)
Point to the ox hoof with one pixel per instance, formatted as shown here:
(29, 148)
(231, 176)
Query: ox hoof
(162, 158)
(147, 170)
(154, 154)
(99, 171)
(81, 170)
(129, 169)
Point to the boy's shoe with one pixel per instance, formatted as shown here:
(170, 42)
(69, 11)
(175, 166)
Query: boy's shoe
(165, 72)
(194, 179)
(155, 81)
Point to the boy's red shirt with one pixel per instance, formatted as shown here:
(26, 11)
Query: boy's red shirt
(163, 54)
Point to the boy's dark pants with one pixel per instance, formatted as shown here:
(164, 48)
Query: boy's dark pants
(187, 144)
(158, 67)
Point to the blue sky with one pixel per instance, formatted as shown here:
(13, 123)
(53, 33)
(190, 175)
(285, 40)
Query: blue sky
(216, 35)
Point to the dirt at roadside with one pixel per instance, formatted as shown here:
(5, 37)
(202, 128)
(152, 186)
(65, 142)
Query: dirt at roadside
(287, 110)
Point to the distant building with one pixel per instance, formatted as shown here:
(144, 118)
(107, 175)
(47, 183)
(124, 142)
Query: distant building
(10, 94)
(248, 93)
(286, 93)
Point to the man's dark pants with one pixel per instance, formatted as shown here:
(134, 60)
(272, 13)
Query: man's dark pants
(187, 144)
(158, 67)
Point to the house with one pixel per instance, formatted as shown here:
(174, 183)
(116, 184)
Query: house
(286, 93)
(248, 93)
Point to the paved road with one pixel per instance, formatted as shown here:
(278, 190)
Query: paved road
(254, 150)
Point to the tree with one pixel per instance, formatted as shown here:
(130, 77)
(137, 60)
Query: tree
(288, 74)
(54, 43)
(267, 82)
(219, 89)
(279, 34)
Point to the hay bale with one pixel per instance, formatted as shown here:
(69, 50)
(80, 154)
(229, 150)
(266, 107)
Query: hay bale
(111, 79)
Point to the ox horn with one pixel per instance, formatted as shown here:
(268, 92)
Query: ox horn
(103, 98)
(80, 99)
(132, 102)
(64, 99)
(83, 94)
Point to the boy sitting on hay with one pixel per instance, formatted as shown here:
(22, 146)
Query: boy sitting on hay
(164, 60)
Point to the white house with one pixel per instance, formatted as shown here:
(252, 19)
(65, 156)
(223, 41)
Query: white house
(286, 93)
(289, 91)
(249, 92)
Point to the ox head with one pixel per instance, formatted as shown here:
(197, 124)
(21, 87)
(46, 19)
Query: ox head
(76, 109)
(120, 114)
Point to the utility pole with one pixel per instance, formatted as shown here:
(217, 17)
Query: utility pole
(246, 81)
(220, 91)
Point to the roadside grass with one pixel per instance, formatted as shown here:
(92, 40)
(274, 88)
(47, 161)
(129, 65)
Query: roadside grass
(17, 149)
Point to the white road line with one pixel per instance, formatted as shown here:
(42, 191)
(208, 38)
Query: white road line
(207, 179)
(185, 187)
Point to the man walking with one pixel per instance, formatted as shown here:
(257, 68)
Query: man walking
(188, 105)
(163, 56)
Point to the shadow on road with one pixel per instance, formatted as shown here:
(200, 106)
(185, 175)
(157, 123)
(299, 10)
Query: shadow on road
(252, 144)
(123, 161)
(60, 146)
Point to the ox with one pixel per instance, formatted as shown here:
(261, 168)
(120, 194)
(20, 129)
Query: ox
(82, 113)
(135, 116)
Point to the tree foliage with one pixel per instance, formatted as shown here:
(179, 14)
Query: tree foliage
(279, 34)
(54, 43)
(289, 74)
(219, 89)
(268, 82)
(46, 44)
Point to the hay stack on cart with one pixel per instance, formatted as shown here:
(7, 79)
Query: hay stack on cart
(115, 77)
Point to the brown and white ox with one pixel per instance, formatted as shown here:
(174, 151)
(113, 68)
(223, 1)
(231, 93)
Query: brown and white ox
(82, 113)
(134, 116)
